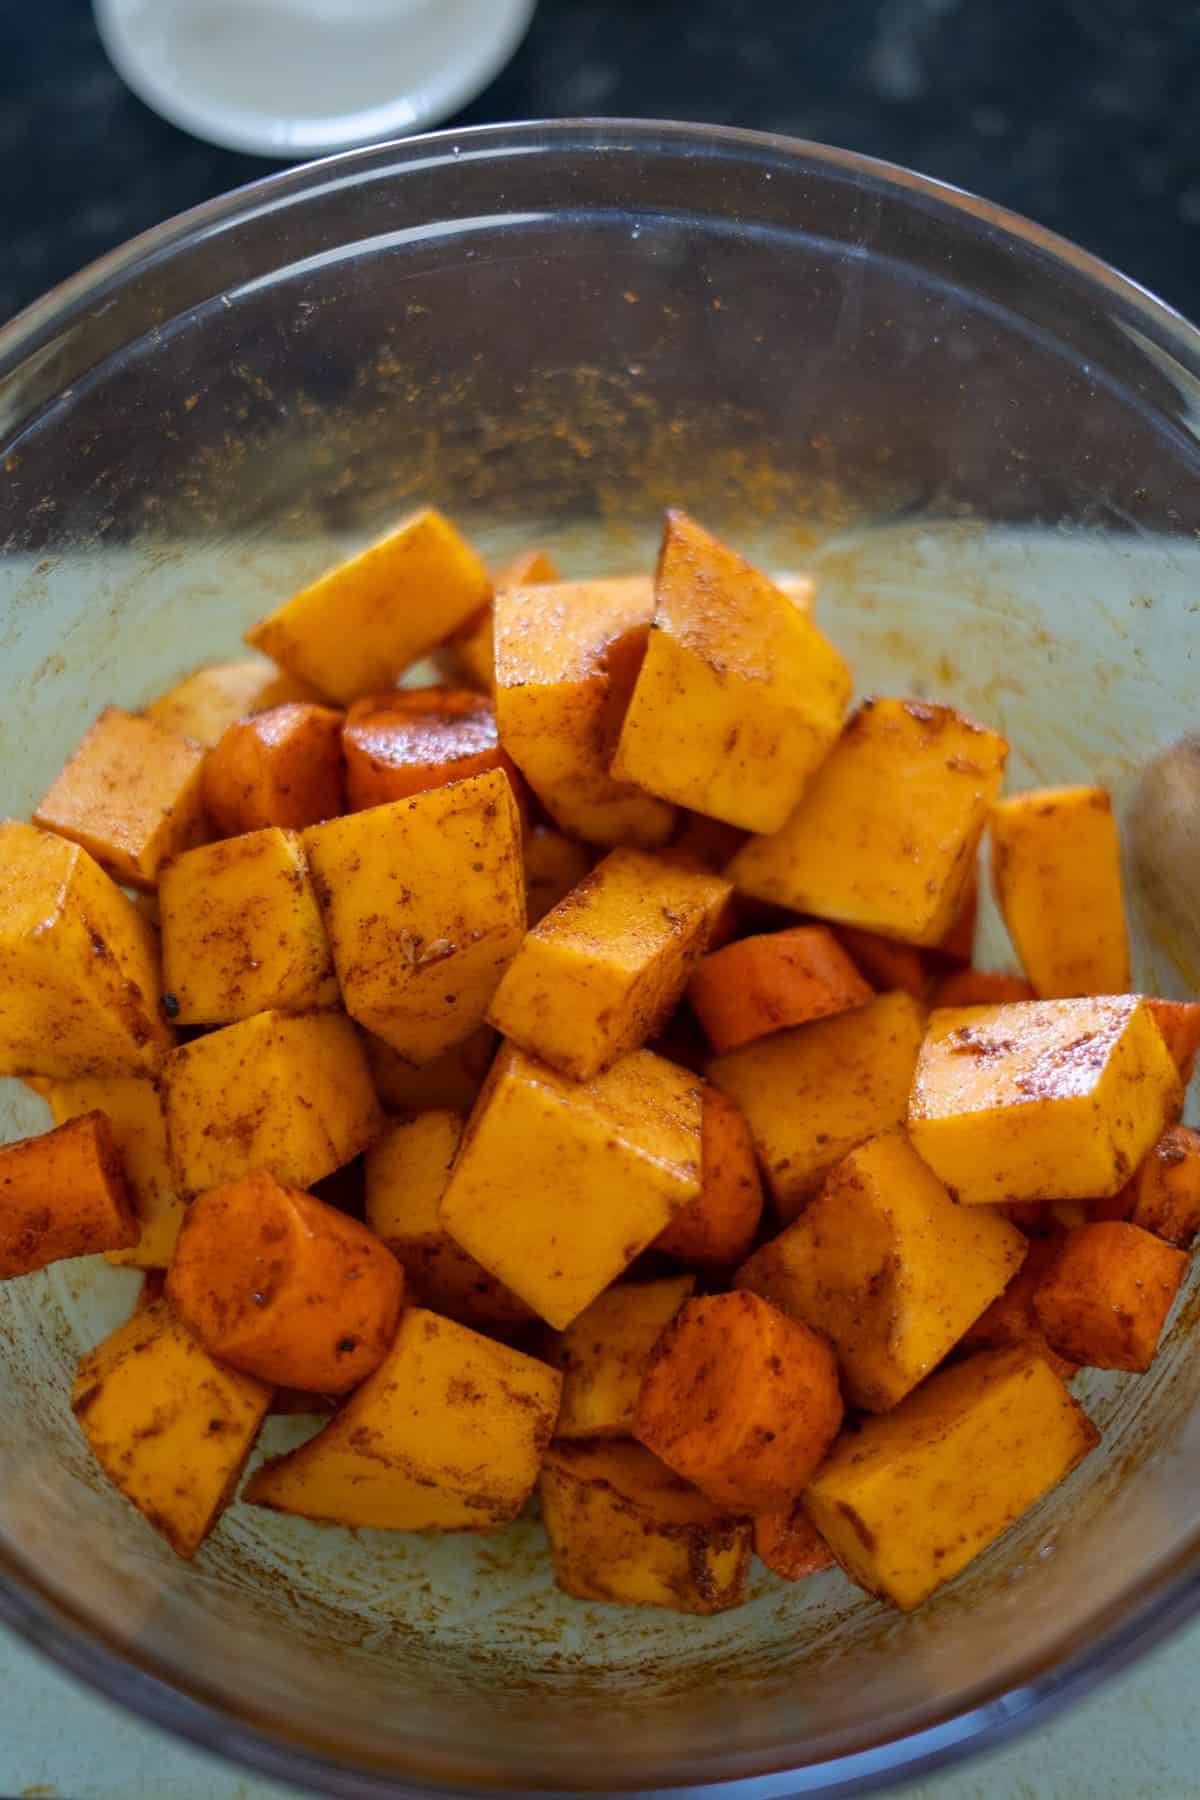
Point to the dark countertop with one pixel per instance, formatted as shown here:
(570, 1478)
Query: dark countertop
(1081, 113)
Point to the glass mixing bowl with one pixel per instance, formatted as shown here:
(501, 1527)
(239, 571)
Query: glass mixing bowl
(985, 445)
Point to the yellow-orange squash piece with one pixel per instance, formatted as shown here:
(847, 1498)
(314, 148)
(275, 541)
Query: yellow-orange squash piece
(451, 1080)
(604, 1352)
(133, 1107)
(470, 655)
(204, 704)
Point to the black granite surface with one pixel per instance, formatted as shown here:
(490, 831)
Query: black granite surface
(1084, 114)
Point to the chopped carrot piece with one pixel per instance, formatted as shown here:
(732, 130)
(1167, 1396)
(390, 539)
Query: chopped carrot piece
(284, 1287)
(886, 964)
(63, 1194)
(741, 1401)
(979, 987)
(1165, 1190)
(1011, 1321)
(406, 742)
(1106, 1298)
(790, 1544)
(764, 984)
(282, 767)
(1179, 1022)
(717, 1229)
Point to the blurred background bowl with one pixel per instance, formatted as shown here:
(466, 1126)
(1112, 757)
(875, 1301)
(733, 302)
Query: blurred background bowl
(984, 444)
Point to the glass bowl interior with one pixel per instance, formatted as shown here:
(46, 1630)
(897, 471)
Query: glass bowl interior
(983, 443)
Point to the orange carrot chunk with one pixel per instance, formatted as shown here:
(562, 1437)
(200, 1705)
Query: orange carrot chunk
(1011, 1321)
(764, 984)
(1106, 1298)
(1179, 1022)
(979, 987)
(740, 1400)
(716, 1230)
(406, 742)
(1165, 1191)
(63, 1194)
(885, 963)
(281, 767)
(284, 1287)
(790, 1544)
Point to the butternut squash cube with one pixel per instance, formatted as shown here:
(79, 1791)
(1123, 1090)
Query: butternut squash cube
(134, 1110)
(452, 1080)
(559, 1185)
(607, 967)
(357, 627)
(170, 1426)
(62, 1194)
(1164, 1194)
(811, 1094)
(1179, 1022)
(448, 1434)
(1105, 1297)
(622, 1527)
(888, 1268)
(289, 1095)
(424, 905)
(603, 1354)
(740, 697)
(554, 864)
(407, 1168)
(204, 704)
(130, 793)
(567, 655)
(907, 1500)
(242, 931)
(1056, 868)
(887, 833)
(470, 655)
(1042, 1099)
(79, 976)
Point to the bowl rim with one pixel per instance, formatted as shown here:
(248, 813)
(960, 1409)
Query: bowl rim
(1131, 1625)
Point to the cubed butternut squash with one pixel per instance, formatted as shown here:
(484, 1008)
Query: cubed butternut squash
(604, 1352)
(63, 1194)
(1165, 1191)
(607, 966)
(288, 1094)
(739, 698)
(768, 982)
(1056, 868)
(133, 1107)
(242, 931)
(741, 1400)
(170, 1426)
(282, 767)
(888, 1268)
(448, 1434)
(412, 739)
(79, 974)
(567, 654)
(280, 1285)
(900, 1501)
(424, 906)
(715, 1231)
(1042, 1099)
(354, 630)
(790, 1545)
(1179, 1022)
(554, 864)
(407, 1168)
(887, 833)
(131, 794)
(1105, 1298)
(470, 655)
(451, 1080)
(559, 1185)
(624, 1527)
(204, 704)
(811, 1094)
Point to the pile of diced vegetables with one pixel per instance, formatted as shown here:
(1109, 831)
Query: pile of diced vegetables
(437, 1042)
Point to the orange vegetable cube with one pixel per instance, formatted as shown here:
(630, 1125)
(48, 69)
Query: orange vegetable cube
(1105, 1298)
(130, 793)
(62, 1194)
(1179, 1022)
(567, 655)
(607, 966)
(282, 767)
(739, 698)
(413, 739)
(1011, 1321)
(740, 1400)
(886, 835)
(716, 1230)
(470, 655)
(979, 987)
(134, 1110)
(763, 984)
(357, 627)
(279, 1285)
(1165, 1191)
(790, 1545)
(604, 1352)
(1056, 867)
(204, 704)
